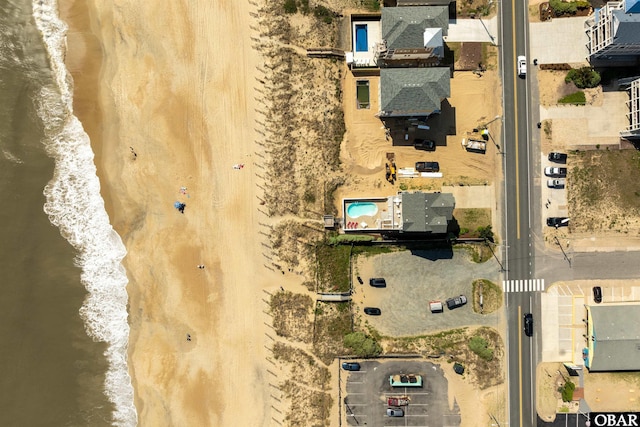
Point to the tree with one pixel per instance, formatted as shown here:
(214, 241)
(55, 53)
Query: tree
(362, 345)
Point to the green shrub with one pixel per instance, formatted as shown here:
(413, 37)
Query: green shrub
(324, 14)
(290, 6)
(573, 98)
(362, 345)
(480, 346)
(371, 5)
(563, 8)
(486, 233)
(585, 77)
(567, 391)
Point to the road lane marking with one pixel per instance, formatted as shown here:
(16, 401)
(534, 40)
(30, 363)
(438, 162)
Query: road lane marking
(520, 362)
(515, 107)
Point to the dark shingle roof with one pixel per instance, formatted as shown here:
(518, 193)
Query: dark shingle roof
(427, 212)
(413, 91)
(628, 27)
(617, 337)
(403, 27)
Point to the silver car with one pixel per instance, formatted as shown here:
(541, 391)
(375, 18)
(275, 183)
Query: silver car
(555, 183)
(395, 412)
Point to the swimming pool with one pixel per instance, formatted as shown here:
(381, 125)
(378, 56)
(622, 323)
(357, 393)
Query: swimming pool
(362, 38)
(359, 209)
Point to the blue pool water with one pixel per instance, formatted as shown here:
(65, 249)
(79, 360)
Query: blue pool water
(362, 39)
(358, 209)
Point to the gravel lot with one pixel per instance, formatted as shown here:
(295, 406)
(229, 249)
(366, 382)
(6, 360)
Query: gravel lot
(413, 279)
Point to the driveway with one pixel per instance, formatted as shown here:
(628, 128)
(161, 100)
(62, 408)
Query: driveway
(573, 48)
(366, 391)
(413, 279)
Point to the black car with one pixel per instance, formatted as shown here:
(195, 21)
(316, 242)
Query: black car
(597, 294)
(427, 166)
(424, 144)
(456, 302)
(558, 157)
(528, 324)
(458, 368)
(558, 221)
(378, 282)
(353, 366)
(372, 311)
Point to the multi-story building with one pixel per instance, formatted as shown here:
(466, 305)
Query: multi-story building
(614, 33)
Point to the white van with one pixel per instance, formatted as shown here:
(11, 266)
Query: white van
(522, 66)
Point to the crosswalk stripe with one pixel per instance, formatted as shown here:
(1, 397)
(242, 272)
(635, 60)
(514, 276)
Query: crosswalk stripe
(523, 285)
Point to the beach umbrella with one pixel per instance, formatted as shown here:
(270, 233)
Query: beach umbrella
(177, 205)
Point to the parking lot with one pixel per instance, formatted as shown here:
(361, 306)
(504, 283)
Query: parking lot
(413, 279)
(367, 390)
(554, 200)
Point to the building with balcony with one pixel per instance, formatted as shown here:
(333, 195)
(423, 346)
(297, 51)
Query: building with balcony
(614, 33)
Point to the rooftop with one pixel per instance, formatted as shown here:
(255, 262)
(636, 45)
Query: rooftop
(615, 343)
(404, 27)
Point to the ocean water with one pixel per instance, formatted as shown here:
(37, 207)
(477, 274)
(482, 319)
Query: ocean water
(63, 309)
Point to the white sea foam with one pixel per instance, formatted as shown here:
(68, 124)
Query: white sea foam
(75, 206)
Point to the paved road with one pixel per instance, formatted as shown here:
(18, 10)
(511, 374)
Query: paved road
(518, 246)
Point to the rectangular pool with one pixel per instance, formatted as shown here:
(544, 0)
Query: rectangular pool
(362, 38)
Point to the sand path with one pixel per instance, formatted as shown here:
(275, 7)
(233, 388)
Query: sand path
(176, 85)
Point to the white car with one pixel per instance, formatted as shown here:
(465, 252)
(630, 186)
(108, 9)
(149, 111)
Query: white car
(522, 65)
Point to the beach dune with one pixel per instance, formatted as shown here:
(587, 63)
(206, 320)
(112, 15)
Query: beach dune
(174, 84)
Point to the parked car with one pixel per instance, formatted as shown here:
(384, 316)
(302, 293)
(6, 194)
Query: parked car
(427, 166)
(557, 157)
(522, 65)
(424, 144)
(458, 368)
(528, 324)
(597, 294)
(372, 311)
(558, 221)
(456, 302)
(395, 412)
(378, 282)
(555, 183)
(555, 172)
(351, 366)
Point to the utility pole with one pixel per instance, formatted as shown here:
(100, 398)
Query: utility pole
(562, 249)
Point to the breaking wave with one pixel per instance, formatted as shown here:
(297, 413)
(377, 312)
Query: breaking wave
(75, 206)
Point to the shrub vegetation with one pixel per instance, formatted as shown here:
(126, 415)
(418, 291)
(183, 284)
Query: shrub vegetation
(362, 345)
(480, 346)
(585, 77)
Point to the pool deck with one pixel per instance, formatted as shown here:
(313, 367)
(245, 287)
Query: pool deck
(374, 36)
(388, 216)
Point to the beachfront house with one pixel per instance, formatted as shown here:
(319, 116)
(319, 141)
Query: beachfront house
(413, 92)
(412, 36)
(614, 34)
(405, 214)
(402, 50)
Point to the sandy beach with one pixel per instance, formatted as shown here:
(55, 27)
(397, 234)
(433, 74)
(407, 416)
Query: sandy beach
(174, 84)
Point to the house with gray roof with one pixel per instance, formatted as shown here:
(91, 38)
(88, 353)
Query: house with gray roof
(614, 32)
(408, 214)
(614, 337)
(405, 27)
(413, 92)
